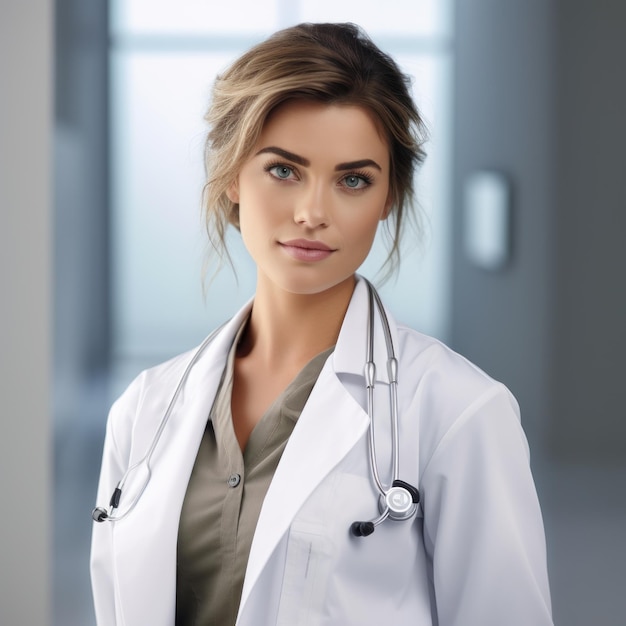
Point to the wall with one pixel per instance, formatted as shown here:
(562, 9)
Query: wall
(540, 95)
(589, 414)
(81, 303)
(25, 332)
(504, 120)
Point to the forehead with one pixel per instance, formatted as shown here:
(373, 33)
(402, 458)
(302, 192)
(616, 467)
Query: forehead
(338, 131)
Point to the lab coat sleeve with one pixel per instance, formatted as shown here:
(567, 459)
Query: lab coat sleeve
(114, 464)
(482, 522)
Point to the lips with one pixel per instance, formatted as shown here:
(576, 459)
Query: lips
(307, 244)
(306, 249)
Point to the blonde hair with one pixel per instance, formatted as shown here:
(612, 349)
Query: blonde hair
(328, 63)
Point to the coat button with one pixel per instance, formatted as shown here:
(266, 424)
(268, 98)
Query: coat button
(234, 480)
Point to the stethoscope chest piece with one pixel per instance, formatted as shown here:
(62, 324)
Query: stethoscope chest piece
(400, 501)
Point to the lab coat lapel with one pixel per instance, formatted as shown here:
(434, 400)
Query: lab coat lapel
(330, 425)
(350, 355)
(151, 555)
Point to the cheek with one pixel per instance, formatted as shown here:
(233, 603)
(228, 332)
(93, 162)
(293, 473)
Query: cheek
(367, 234)
(252, 207)
(260, 212)
(363, 228)
(261, 200)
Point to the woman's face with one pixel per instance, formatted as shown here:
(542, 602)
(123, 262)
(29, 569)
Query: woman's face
(312, 194)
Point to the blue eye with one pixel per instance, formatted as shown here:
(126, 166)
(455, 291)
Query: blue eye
(356, 181)
(281, 171)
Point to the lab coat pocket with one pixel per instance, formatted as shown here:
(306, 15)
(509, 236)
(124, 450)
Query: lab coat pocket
(379, 577)
(332, 577)
(306, 572)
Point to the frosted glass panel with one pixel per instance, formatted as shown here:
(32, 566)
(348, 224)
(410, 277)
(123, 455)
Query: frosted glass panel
(415, 18)
(192, 17)
(158, 240)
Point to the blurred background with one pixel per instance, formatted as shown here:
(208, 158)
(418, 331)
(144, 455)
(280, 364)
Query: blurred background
(102, 247)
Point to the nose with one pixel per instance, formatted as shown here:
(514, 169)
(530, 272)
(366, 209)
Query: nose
(313, 207)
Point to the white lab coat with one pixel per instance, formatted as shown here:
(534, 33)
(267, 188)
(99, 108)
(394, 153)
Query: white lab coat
(473, 556)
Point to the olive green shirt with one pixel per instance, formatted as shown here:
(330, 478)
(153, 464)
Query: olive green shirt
(224, 498)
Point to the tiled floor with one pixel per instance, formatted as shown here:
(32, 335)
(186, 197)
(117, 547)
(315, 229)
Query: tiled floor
(584, 511)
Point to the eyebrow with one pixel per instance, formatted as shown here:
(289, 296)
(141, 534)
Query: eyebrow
(353, 165)
(340, 167)
(285, 154)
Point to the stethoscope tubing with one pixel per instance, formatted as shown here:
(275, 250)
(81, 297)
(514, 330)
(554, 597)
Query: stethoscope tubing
(145, 460)
(100, 514)
(375, 303)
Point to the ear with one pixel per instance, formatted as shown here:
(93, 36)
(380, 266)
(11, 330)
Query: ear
(387, 209)
(233, 192)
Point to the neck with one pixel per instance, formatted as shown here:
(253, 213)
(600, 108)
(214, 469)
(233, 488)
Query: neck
(286, 330)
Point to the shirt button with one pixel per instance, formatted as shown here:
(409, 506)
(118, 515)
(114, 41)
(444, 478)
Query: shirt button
(234, 480)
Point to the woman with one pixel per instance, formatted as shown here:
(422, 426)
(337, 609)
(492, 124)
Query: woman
(263, 488)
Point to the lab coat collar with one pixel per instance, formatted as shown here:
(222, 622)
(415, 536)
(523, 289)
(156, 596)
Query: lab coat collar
(350, 352)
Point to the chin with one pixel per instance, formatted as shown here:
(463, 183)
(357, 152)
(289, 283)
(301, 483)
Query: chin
(312, 285)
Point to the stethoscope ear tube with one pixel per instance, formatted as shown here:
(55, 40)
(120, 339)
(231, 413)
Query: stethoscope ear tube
(99, 514)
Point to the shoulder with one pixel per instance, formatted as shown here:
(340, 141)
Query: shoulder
(159, 380)
(152, 390)
(447, 391)
(429, 360)
(157, 375)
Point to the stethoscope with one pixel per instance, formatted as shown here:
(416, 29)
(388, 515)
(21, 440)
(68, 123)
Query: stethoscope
(398, 502)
